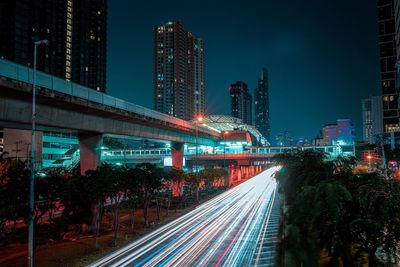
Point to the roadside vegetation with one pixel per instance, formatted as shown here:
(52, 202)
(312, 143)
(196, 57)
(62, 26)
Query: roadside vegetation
(336, 216)
(67, 202)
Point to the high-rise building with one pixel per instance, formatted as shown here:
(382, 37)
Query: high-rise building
(241, 102)
(387, 44)
(198, 71)
(261, 105)
(372, 118)
(178, 76)
(76, 31)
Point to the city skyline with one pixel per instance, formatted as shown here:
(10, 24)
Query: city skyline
(308, 61)
(217, 116)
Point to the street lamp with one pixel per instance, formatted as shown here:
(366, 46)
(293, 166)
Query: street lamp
(32, 180)
(224, 133)
(199, 119)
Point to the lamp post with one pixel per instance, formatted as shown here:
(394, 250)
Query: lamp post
(32, 178)
(223, 135)
(199, 119)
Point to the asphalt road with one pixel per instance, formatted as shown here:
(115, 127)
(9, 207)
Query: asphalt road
(237, 228)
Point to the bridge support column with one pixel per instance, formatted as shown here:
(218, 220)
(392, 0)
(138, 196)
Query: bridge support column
(177, 155)
(90, 151)
(177, 162)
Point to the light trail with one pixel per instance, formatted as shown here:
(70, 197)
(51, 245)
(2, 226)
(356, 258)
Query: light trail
(228, 230)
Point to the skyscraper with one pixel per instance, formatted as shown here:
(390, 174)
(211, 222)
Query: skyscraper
(388, 54)
(198, 71)
(241, 102)
(261, 105)
(76, 31)
(178, 75)
(372, 118)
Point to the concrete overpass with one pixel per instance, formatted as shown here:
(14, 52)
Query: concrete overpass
(69, 107)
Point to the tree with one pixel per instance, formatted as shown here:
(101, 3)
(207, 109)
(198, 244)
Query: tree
(116, 195)
(194, 181)
(14, 193)
(150, 179)
(176, 178)
(100, 185)
(76, 199)
(332, 208)
(132, 190)
(376, 215)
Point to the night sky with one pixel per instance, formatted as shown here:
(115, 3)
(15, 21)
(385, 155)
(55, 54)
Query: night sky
(322, 55)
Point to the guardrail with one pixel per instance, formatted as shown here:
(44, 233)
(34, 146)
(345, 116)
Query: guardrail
(24, 74)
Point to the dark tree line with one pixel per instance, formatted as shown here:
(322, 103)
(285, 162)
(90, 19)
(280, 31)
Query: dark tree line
(332, 210)
(69, 199)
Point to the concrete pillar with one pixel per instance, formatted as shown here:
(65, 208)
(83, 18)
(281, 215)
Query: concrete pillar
(177, 155)
(90, 151)
(177, 162)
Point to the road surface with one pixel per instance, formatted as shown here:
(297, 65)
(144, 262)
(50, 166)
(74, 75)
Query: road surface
(233, 229)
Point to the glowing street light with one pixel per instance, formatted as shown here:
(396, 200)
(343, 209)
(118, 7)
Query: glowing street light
(224, 134)
(199, 119)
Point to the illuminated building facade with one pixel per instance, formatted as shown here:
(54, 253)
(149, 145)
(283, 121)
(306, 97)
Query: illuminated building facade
(241, 102)
(342, 133)
(388, 52)
(261, 105)
(372, 118)
(178, 75)
(76, 31)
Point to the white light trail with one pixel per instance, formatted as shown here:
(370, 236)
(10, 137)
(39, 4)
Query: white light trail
(228, 230)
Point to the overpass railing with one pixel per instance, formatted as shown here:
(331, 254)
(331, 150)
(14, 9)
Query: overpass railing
(24, 74)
